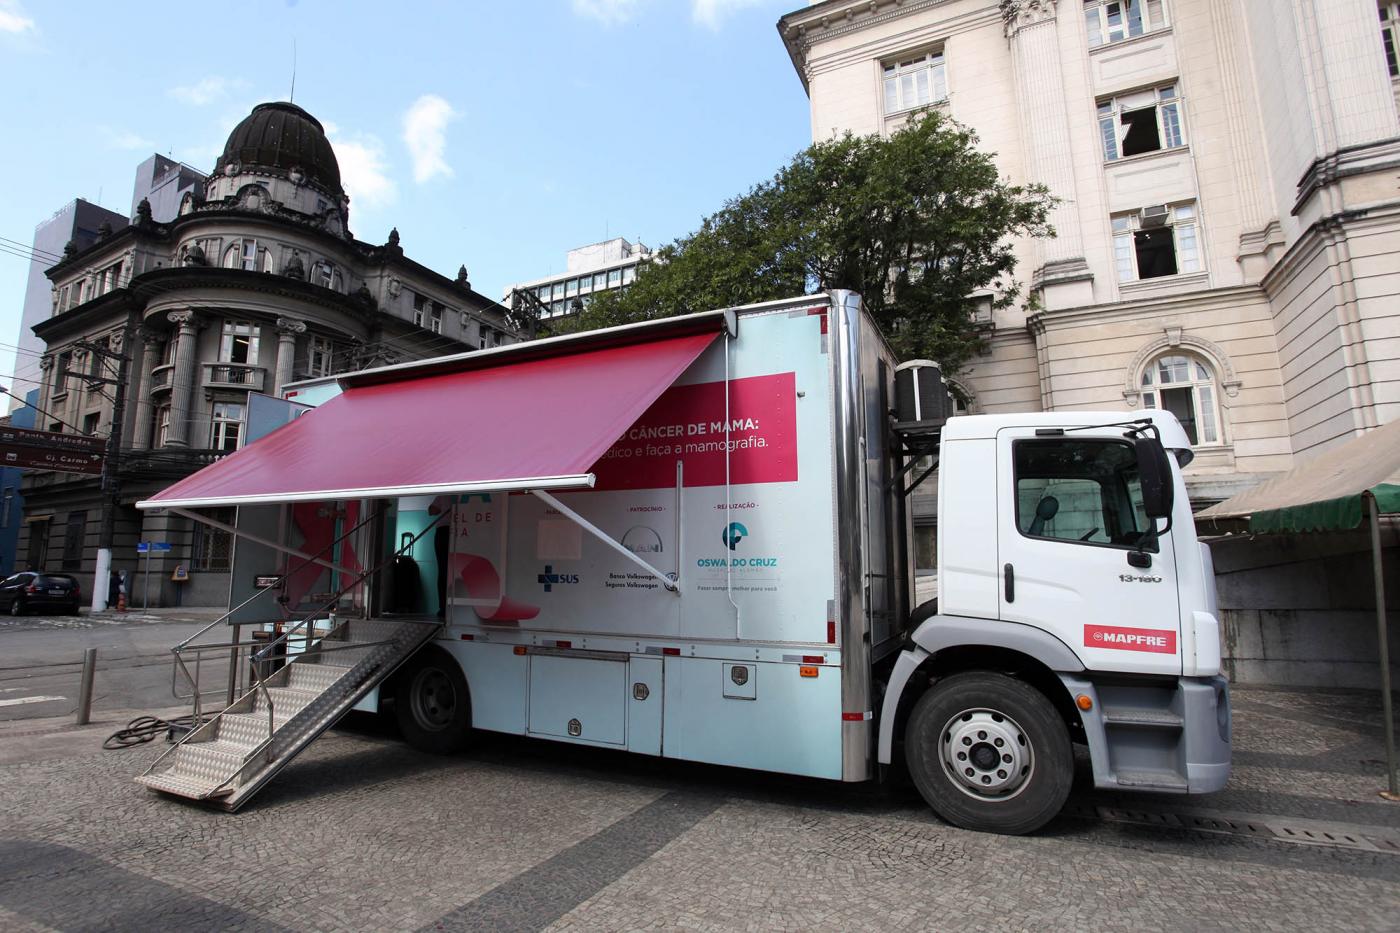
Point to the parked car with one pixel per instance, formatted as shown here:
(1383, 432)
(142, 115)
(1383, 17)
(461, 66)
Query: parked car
(31, 590)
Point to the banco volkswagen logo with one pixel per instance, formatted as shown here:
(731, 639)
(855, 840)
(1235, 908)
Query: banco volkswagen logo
(733, 534)
(549, 579)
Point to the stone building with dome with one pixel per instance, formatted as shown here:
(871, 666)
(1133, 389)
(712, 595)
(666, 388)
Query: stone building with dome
(255, 284)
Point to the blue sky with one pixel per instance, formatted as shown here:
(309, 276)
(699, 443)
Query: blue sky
(498, 135)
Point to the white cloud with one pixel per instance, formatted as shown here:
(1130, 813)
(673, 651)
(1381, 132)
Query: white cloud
(206, 90)
(607, 12)
(364, 170)
(13, 18)
(712, 13)
(125, 139)
(425, 134)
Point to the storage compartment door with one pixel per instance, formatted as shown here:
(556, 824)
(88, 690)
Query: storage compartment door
(579, 699)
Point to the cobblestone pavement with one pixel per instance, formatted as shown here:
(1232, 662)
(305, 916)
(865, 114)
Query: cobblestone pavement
(364, 833)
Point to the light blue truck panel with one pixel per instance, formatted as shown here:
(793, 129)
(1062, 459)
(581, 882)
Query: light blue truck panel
(580, 699)
(792, 724)
(644, 705)
(498, 679)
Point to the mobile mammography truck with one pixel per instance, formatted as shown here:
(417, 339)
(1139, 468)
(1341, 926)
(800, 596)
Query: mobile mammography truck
(690, 539)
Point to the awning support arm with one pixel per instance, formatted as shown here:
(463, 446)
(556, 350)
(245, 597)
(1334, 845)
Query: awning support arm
(598, 533)
(195, 516)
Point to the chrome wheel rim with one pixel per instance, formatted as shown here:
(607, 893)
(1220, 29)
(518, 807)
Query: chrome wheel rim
(986, 754)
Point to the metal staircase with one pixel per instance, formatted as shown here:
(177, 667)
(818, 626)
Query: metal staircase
(282, 694)
(229, 757)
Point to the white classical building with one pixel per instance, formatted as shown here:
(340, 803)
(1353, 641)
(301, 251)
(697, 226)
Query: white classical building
(1228, 224)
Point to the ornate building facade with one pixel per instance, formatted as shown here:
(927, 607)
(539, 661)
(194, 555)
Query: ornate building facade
(1228, 225)
(1227, 248)
(256, 283)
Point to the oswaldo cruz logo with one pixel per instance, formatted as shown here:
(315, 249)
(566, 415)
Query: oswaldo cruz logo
(733, 533)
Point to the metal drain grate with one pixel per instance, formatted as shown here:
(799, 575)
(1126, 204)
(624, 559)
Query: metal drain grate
(1276, 828)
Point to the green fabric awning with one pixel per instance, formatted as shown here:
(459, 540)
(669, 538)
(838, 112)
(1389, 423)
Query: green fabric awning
(1340, 514)
(1324, 493)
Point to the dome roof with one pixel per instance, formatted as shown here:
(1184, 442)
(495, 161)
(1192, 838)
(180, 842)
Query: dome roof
(281, 136)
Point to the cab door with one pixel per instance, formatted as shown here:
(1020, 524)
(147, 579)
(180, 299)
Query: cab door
(1070, 524)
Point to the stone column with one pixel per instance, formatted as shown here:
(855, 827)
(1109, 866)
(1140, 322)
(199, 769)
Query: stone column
(287, 332)
(150, 357)
(183, 384)
(1040, 86)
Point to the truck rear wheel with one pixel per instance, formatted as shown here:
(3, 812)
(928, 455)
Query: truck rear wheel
(431, 703)
(990, 753)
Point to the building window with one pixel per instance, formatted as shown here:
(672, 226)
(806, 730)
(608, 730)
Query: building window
(915, 82)
(61, 367)
(6, 504)
(614, 278)
(239, 343)
(162, 431)
(322, 356)
(213, 547)
(1156, 241)
(247, 255)
(73, 540)
(1115, 20)
(226, 430)
(1148, 121)
(544, 293)
(571, 288)
(557, 290)
(1390, 35)
(585, 284)
(327, 276)
(90, 423)
(628, 275)
(1184, 386)
(38, 544)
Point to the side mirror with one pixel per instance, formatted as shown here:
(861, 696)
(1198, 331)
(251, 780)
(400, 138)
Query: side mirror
(1155, 473)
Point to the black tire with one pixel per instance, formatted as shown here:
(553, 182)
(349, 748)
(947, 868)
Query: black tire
(1013, 787)
(432, 704)
(16, 607)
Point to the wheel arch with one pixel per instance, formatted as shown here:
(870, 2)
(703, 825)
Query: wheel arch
(946, 645)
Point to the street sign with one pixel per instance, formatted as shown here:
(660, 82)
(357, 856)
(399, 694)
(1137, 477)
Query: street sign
(145, 547)
(142, 547)
(52, 440)
(160, 545)
(66, 460)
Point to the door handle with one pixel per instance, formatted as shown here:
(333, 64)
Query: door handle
(1008, 575)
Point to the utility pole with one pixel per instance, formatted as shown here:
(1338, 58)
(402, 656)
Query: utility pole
(111, 493)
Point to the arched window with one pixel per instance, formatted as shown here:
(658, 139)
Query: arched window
(1185, 386)
(326, 275)
(249, 255)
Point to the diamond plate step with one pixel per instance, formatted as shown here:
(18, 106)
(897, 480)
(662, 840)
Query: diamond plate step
(234, 755)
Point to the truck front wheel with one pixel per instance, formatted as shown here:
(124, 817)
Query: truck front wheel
(432, 704)
(990, 753)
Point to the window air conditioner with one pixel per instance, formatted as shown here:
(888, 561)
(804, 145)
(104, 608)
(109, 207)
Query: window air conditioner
(1154, 216)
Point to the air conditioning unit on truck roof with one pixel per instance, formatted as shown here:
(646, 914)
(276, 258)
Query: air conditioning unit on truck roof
(690, 539)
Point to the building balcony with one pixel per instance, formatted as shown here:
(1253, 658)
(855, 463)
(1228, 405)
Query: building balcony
(161, 378)
(234, 376)
(166, 462)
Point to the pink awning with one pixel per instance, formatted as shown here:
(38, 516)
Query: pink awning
(540, 423)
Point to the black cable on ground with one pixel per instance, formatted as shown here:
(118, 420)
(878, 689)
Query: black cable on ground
(143, 729)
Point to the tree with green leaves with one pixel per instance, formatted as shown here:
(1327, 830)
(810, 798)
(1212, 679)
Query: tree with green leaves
(919, 223)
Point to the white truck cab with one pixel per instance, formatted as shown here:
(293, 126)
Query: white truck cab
(1069, 572)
